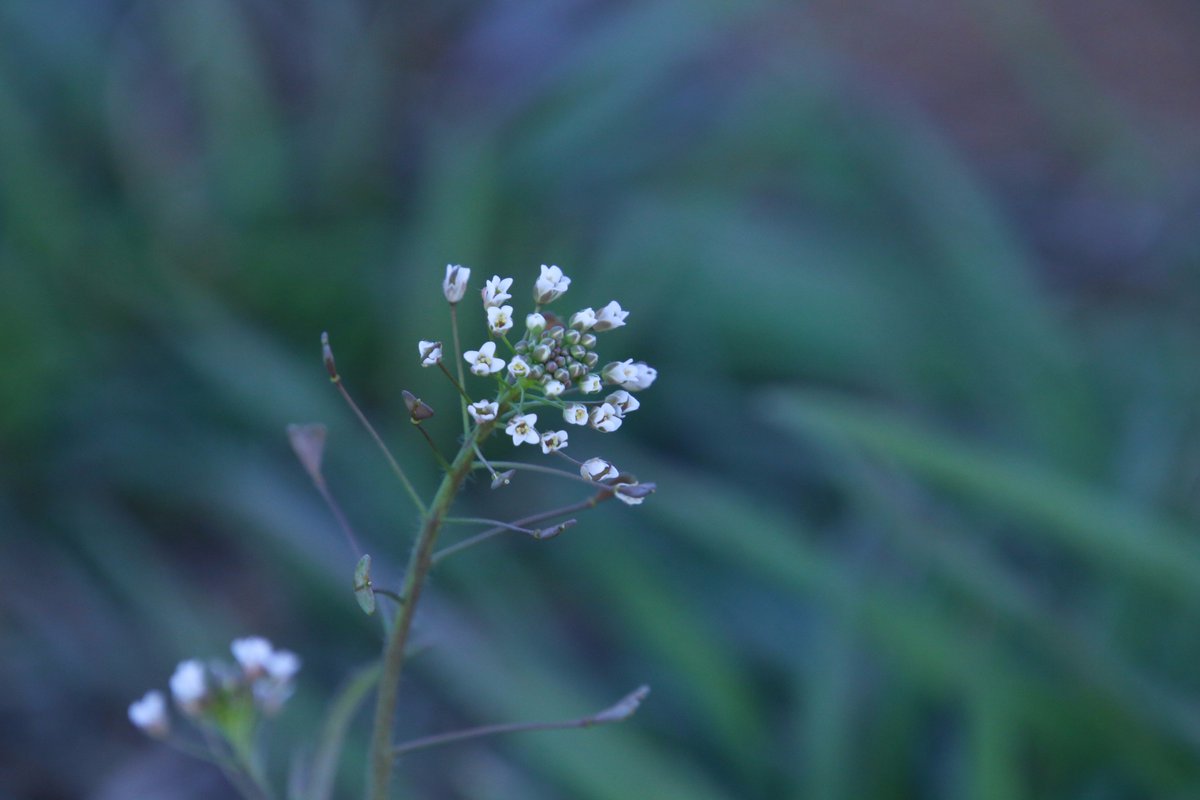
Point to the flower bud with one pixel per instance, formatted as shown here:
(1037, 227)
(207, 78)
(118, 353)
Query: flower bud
(588, 340)
(454, 286)
(562, 375)
(577, 351)
(576, 370)
(537, 372)
(571, 337)
(556, 333)
(541, 353)
(327, 357)
(535, 323)
(591, 359)
(522, 347)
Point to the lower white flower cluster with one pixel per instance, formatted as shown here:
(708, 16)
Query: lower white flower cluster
(261, 681)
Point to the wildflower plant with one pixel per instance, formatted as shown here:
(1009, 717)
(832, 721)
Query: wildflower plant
(541, 385)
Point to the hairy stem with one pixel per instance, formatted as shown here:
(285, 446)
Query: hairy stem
(419, 564)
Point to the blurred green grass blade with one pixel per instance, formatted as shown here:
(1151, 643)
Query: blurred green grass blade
(827, 751)
(1120, 537)
(650, 611)
(964, 564)
(333, 733)
(212, 45)
(992, 766)
(931, 646)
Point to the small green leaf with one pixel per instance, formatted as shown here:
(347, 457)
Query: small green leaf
(363, 592)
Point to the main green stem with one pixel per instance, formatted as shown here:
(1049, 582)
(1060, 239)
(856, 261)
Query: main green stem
(419, 563)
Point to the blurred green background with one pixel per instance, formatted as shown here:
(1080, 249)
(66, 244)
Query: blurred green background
(921, 282)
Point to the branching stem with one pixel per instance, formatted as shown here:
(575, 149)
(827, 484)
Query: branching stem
(617, 713)
(519, 524)
(419, 564)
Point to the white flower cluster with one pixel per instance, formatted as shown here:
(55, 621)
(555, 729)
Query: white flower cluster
(263, 677)
(553, 363)
(551, 356)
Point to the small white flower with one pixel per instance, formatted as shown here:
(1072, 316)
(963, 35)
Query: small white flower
(590, 383)
(518, 367)
(623, 402)
(252, 653)
(609, 317)
(150, 714)
(454, 286)
(483, 361)
(583, 320)
(550, 286)
(646, 376)
(576, 414)
(553, 388)
(495, 291)
(535, 322)
(521, 429)
(629, 375)
(605, 418)
(483, 411)
(597, 469)
(430, 352)
(188, 685)
(554, 440)
(500, 319)
(282, 665)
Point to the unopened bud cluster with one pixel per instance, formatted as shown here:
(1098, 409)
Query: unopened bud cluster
(221, 693)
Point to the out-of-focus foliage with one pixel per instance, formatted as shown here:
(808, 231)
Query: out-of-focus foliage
(923, 293)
